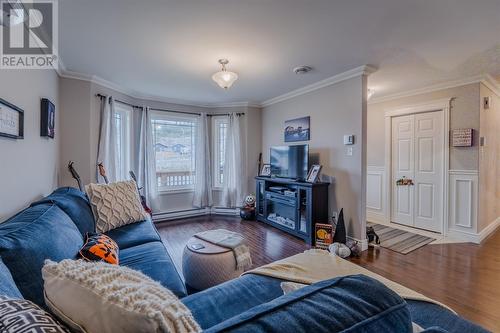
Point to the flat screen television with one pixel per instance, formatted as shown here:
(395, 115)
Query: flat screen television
(290, 161)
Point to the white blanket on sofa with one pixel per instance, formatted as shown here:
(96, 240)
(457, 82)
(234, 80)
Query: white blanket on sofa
(316, 265)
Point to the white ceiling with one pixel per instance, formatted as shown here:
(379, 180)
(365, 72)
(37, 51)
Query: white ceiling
(170, 48)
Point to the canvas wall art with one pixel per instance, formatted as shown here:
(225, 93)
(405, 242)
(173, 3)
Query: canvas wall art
(297, 129)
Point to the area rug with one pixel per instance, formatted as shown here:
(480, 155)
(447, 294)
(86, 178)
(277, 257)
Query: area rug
(399, 240)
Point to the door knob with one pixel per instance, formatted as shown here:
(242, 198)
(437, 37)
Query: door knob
(404, 182)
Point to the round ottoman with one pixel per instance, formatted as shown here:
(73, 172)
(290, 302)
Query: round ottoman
(208, 266)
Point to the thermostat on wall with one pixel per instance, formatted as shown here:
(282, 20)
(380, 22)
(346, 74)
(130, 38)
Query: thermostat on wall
(349, 139)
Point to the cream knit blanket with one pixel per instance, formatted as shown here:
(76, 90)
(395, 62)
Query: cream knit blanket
(316, 265)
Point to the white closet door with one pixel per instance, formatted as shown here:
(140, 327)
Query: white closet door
(402, 166)
(417, 154)
(429, 171)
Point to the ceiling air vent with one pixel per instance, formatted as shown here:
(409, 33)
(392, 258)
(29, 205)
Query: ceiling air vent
(302, 69)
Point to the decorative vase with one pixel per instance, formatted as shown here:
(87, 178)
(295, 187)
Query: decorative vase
(340, 233)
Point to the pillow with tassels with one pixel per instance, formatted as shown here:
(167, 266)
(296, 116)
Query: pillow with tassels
(100, 297)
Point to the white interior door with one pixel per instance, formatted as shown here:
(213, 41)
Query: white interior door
(417, 154)
(402, 166)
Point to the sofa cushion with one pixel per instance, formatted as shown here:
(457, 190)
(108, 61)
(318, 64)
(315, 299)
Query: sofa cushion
(353, 303)
(75, 204)
(153, 260)
(219, 303)
(428, 314)
(7, 285)
(40, 232)
(134, 234)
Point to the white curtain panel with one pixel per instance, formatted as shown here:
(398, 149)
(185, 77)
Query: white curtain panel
(234, 185)
(203, 178)
(107, 140)
(145, 155)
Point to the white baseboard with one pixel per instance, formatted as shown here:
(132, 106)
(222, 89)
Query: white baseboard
(489, 229)
(472, 237)
(364, 243)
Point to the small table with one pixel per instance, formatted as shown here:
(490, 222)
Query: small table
(208, 266)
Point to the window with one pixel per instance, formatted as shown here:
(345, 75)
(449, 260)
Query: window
(123, 131)
(174, 146)
(219, 144)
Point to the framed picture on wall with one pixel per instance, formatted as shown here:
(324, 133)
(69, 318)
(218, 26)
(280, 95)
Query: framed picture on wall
(11, 120)
(297, 129)
(47, 118)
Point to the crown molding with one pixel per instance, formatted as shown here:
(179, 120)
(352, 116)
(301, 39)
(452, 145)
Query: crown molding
(153, 98)
(493, 84)
(435, 87)
(355, 72)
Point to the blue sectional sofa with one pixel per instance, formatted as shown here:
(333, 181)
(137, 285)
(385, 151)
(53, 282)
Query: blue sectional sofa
(54, 227)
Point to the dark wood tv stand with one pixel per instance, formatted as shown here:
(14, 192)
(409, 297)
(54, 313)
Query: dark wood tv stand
(295, 211)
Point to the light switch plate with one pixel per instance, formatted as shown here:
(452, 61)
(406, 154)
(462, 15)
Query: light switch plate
(349, 151)
(486, 102)
(348, 139)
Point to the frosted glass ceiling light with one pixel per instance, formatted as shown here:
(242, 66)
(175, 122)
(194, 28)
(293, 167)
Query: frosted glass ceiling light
(224, 78)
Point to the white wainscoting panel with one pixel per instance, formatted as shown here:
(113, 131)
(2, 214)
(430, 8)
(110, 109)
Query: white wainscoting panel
(463, 196)
(376, 207)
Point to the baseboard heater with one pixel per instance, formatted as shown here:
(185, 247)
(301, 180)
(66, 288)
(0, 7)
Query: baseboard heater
(179, 214)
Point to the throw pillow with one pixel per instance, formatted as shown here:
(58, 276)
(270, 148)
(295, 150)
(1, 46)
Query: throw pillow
(99, 247)
(112, 298)
(115, 205)
(21, 315)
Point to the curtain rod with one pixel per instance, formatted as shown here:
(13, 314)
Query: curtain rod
(165, 110)
(122, 102)
(225, 114)
(184, 112)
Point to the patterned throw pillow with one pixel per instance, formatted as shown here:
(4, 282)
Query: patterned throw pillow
(115, 205)
(99, 247)
(20, 315)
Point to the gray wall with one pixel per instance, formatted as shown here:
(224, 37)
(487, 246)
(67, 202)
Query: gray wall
(489, 159)
(464, 113)
(335, 111)
(29, 167)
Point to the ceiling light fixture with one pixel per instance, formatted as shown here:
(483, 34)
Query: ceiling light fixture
(224, 78)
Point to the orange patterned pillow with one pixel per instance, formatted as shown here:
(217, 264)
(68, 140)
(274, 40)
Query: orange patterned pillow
(99, 247)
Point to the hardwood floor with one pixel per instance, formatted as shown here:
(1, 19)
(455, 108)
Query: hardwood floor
(466, 277)
(267, 244)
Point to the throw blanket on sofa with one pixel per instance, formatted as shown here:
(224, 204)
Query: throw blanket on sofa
(316, 265)
(230, 240)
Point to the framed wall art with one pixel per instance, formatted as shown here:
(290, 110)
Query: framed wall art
(297, 129)
(47, 118)
(11, 120)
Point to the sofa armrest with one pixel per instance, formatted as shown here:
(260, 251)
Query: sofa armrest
(356, 303)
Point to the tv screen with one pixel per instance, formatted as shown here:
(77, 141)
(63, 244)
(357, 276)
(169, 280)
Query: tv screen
(290, 161)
